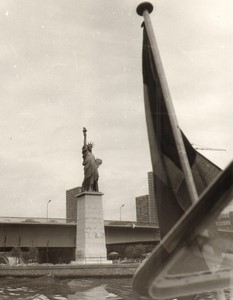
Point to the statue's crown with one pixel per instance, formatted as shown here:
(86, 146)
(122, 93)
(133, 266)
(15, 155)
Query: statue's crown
(90, 144)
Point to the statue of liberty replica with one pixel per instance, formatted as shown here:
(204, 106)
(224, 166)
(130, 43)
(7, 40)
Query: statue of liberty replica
(91, 165)
(90, 234)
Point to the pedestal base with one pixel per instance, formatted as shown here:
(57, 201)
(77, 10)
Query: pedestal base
(90, 235)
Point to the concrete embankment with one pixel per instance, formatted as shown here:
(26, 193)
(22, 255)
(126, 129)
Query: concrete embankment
(69, 271)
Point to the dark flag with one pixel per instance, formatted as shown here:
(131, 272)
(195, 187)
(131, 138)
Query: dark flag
(188, 196)
(171, 193)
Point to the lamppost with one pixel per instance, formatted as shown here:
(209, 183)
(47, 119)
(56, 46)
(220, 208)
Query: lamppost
(120, 210)
(48, 209)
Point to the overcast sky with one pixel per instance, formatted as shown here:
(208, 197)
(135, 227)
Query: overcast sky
(69, 64)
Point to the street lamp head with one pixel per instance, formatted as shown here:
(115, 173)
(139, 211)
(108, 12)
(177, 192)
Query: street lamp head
(120, 210)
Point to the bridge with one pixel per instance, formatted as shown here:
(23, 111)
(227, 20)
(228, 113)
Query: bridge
(60, 234)
(43, 232)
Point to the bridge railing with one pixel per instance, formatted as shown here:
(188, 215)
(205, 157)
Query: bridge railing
(35, 220)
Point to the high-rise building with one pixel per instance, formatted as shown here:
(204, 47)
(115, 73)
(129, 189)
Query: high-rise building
(146, 206)
(153, 211)
(71, 203)
(142, 208)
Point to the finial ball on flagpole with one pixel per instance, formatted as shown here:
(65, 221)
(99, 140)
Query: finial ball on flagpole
(144, 6)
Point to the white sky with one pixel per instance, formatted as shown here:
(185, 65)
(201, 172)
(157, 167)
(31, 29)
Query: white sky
(69, 64)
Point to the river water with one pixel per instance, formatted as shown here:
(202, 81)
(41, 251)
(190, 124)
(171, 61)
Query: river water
(45, 288)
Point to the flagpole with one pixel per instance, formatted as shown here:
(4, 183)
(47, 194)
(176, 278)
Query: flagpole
(144, 9)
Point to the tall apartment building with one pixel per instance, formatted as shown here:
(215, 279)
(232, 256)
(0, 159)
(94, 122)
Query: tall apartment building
(142, 208)
(153, 210)
(71, 203)
(146, 206)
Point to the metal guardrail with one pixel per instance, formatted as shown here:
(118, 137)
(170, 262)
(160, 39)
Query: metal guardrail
(35, 220)
(4, 219)
(129, 223)
(7, 219)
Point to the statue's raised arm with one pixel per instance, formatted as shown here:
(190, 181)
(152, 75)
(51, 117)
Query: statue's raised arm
(85, 137)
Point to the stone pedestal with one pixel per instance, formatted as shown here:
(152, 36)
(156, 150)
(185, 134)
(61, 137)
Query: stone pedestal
(90, 235)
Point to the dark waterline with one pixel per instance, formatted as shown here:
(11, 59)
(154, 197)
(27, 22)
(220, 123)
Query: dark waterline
(44, 288)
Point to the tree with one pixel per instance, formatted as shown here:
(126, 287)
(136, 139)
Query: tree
(135, 252)
(139, 251)
(130, 252)
(33, 254)
(16, 252)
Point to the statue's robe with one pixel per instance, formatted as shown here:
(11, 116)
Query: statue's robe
(91, 174)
